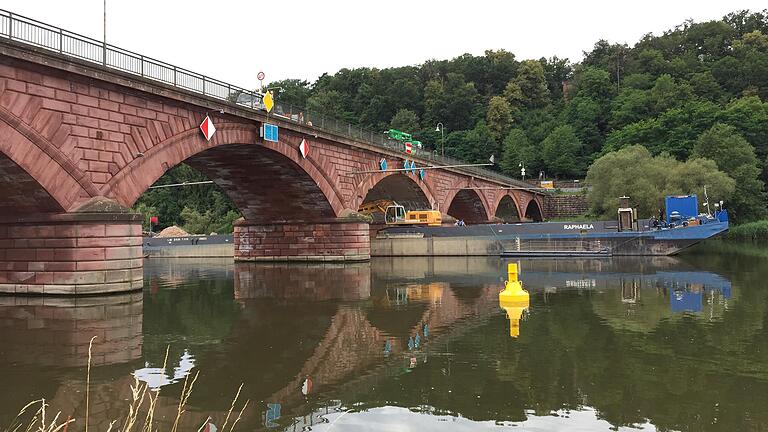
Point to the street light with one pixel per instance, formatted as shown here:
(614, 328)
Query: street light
(522, 170)
(440, 128)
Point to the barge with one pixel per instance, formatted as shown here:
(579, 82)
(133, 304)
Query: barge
(682, 228)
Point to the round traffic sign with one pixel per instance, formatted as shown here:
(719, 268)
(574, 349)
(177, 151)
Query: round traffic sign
(260, 75)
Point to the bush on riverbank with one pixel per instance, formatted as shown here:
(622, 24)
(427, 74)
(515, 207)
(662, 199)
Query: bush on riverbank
(757, 230)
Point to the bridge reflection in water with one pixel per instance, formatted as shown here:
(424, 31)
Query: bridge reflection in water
(308, 339)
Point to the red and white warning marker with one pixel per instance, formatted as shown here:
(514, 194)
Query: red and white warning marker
(304, 148)
(208, 128)
(408, 147)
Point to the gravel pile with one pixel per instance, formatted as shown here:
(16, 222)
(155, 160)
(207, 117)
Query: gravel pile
(172, 231)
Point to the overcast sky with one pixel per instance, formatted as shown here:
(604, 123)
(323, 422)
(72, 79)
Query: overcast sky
(232, 40)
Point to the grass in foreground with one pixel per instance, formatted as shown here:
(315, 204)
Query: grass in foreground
(33, 417)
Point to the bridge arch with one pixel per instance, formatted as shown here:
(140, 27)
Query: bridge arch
(36, 176)
(466, 204)
(533, 211)
(413, 194)
(507, 208)
(266, 180)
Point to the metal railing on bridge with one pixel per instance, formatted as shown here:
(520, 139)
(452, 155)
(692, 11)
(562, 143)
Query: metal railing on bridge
(27, 30)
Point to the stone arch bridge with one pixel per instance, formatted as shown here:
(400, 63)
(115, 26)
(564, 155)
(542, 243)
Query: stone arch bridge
(80, 142)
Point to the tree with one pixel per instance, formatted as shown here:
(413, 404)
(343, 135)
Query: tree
(480, 144)
(673, 132)
(630, 106)
(736, 157)
(499, 117)
(556, 71)
(586, 117)
(562, 151)
(405, 120)
(594, 83)
(705, 86)
(461, 102)
(328, 102)
(646, 179)
(517, 149)
(434, 95)
(293, 92)
(666, 93)
(651, 61)
(749, 116)
(196, 222)
(532, 82)
(168, 203)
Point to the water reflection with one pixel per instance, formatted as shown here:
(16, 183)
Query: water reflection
(660, 343)
(56, 331)
(157, 377)
(44, 351)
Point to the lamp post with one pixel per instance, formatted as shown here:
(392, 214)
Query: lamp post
(522, 170)
(440, 128)
(104, 42)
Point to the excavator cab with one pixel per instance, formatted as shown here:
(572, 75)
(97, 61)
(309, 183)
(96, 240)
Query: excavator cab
(394, 214)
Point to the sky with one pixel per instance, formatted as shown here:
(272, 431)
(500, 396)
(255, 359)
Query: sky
(232, 40)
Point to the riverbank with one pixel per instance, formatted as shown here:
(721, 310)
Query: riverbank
(757, 230)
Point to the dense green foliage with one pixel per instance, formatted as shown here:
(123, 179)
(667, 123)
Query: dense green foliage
(685, 93)
(199, 209)
(757, 230)
(692, 85)
(634, 172)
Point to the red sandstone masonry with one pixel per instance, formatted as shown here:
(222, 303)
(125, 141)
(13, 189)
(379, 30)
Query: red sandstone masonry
(564, 206)
(70, 257)
(99, 128)
(335, 241)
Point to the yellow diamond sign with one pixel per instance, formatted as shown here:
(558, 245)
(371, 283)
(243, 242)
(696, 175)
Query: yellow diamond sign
(269, 102)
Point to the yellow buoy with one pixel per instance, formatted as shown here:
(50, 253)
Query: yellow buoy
(514, 300)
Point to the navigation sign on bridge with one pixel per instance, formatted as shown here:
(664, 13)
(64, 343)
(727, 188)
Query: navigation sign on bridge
(408, 147)
(304, 148)
(270, 132)
(207, 128)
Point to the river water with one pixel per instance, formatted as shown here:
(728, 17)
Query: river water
(410, 344)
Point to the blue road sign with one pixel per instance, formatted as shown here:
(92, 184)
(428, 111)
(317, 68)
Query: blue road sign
(270, 132)
(422, 173)
(383, 164)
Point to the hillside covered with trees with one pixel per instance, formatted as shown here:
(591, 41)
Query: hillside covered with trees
(699, 90)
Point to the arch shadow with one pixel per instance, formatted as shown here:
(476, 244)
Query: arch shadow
(507, 209)
(467, 205)
(266, 181)
(398, 187)
(533, 211)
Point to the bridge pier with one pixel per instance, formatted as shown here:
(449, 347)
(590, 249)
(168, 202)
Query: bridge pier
(325, 240)
(71, 253)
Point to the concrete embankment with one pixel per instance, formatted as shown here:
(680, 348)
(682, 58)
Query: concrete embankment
(213, 246)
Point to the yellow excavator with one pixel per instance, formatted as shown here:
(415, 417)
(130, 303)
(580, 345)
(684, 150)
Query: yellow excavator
(395, 214)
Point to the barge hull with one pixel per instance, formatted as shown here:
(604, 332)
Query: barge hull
(543, 239)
